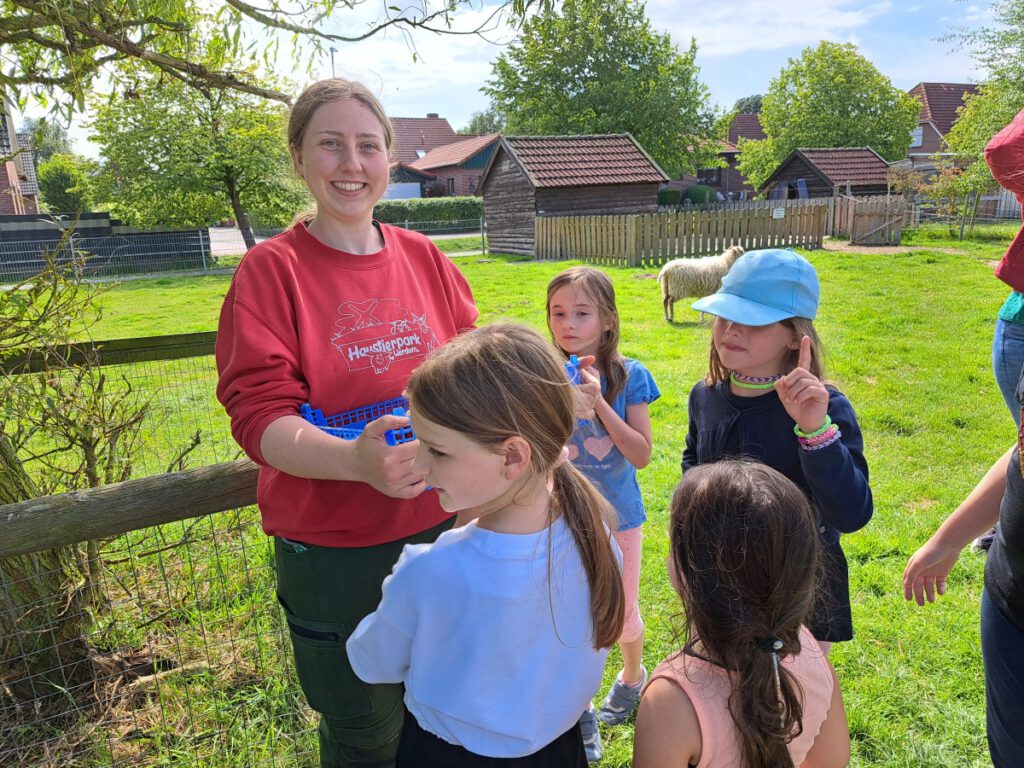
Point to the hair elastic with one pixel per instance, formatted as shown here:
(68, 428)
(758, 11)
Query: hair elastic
(773, 645)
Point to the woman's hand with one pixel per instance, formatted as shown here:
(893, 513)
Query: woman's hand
(803, 394)
(388, 468)
(927, 570)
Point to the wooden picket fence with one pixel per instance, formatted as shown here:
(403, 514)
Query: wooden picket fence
(651, 239)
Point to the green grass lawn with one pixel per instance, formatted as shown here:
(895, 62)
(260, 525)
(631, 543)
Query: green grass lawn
(908, 339)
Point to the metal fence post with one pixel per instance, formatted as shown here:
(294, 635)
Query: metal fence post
(202, 249)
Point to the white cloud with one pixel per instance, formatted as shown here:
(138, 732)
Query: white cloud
(727, 29)
(445, 76)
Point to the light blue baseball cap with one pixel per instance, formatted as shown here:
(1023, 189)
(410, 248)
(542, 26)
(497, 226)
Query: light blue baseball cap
(764, 287)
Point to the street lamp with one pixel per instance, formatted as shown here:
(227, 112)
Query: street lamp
(333, 49)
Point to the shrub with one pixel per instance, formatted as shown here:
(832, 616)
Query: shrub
(429, 209)
(698, 194)
(669, 196)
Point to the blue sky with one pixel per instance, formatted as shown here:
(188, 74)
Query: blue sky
(742, 45)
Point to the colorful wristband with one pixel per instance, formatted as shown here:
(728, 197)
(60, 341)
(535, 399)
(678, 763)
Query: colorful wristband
(799, 433)
(823, 437)
(817, 447)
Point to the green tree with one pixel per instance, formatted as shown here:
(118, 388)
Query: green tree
(748, 105)
(55, 51)
(179, 156)
(596, 66)
(64, 184)
(830, 97)
(489, 120)
(48, 138)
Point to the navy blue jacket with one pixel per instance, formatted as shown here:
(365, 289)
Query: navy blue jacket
(835, 478)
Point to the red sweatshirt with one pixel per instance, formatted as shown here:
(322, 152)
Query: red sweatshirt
(303, 322)
(1004, 154)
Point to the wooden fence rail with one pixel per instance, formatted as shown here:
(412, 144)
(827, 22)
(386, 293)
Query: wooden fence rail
(652, 239)
(110, 510)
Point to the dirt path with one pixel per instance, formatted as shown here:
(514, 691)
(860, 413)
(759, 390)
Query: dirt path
(844, 246)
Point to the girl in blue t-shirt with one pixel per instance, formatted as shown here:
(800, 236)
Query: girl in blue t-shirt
(611, 442)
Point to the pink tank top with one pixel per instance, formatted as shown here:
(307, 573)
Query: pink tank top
(709, 687)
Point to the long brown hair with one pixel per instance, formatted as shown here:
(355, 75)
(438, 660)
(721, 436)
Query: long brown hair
(800, 326)
(745, 548)
(505, 380)
(598, 286)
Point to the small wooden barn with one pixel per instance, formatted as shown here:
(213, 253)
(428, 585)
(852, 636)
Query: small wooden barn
(806, 173)
(531, 176)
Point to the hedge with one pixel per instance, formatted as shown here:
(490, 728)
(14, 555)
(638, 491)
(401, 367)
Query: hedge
(429, 209)
(699, 194)
(670, 196)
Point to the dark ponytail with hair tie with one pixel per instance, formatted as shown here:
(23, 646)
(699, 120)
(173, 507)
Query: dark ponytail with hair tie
(745, 548)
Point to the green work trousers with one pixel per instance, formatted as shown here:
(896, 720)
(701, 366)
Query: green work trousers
(325, 593)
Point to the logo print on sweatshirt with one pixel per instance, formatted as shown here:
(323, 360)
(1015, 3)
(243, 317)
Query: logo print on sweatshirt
(377, 332)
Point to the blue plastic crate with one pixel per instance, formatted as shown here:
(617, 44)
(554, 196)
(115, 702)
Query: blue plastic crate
(350, 424)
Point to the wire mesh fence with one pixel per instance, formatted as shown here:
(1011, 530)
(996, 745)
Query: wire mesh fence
(430, 228)
(109, 255)
(164, 646)
(143, 253)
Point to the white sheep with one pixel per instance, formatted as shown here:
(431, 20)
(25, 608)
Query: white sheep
(681, 278)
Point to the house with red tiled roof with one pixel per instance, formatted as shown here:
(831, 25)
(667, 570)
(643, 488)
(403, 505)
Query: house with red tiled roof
(808, 173)
(531, 176)
(940, 103)
(18, 187)
(458, 166)
(416, 136)
(727, 182)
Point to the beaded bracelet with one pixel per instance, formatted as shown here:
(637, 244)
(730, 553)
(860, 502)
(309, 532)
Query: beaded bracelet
(832, 438)
(823, 437)
(800, 433)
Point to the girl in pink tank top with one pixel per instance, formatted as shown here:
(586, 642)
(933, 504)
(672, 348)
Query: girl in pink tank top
(751, 688)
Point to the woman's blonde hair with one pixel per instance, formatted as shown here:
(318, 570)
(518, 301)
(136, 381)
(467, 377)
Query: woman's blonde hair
(800, 326)
(328, 91)
(505, 380)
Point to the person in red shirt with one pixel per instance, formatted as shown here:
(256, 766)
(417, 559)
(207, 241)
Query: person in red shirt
(336, 311)
(1004, 155)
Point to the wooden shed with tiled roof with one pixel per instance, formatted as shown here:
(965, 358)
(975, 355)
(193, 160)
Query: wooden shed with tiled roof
(531, 176)
(817, 172)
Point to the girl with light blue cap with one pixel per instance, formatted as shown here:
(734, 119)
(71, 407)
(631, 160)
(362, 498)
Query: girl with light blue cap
(765, 397)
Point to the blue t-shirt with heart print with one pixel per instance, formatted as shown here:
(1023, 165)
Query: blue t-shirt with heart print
(593, 452)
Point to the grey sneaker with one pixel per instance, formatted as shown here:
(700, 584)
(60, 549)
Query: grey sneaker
(621, 700)
(591, 737)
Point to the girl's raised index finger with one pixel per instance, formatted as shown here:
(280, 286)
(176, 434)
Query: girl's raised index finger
(804, 361)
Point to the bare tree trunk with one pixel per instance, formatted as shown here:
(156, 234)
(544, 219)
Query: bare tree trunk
(43, 648)
(241, 217)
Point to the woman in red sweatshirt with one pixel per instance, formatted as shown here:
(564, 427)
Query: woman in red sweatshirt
(337, 311)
